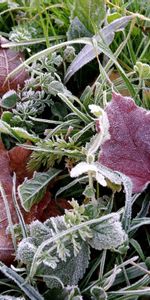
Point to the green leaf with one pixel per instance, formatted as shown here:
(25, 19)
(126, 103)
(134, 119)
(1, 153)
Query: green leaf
(24, 134)
(112, 17)
(6, 116)
(32, 190)
(16, 132)
(133, 272)
(9, 99)
(3, 5)
(69, 185)
(90, 12)
(74, 109)
(33, 41)
(5, 128)
(70, 271)
(58, 262)
(59, 110)
(143, 70)
(89, 192)
(137, 248)
(98, 293)
(138, 222)
(108, 234)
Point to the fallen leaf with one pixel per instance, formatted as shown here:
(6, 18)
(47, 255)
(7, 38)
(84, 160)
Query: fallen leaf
(6, 247)
(19, 157)
(9, 60)
(11, 161)
(128, 149)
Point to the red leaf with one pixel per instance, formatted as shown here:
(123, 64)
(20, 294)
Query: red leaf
(18, 162)
(128, 149)
(6, 247)
(9, 60)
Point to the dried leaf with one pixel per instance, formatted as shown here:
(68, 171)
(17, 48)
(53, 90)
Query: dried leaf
(128, 149)
(9, 60)
(18, 159)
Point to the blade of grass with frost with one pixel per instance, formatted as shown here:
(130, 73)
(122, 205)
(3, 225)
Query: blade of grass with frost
(137, 222)
(32, 41)
(60, 126)
(46, 52)
(77, 112)
(77, 135)
(76, 153)
(8, 215)
(131, 274)
(88, 53)
(69, 185)
(21, 283)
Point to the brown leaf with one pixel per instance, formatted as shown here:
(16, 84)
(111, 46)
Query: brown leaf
(9, 60)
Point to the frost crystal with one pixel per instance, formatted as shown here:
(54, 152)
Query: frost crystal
(108, 234)
(26, 250)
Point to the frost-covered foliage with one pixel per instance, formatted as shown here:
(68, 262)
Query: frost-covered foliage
(59, 248)
(39, 93)
(5, 297)
(22, 32)
(107, 235)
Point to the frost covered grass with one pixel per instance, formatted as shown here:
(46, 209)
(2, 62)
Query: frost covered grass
(75, 145)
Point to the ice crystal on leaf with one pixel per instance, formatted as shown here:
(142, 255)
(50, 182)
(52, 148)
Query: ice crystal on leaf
(108, 235)
(59, 249)
(128, 149)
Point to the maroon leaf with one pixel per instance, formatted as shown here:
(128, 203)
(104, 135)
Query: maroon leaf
(6, 247)
(9, 60)
(128, 149)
